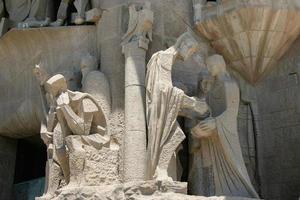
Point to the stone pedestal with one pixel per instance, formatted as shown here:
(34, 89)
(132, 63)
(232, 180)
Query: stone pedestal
(142, 190)
(90, 166)
(139, 190)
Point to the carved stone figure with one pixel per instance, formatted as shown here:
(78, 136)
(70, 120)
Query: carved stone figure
(21, 10)
(164, 103)
(140, 24)
(75, 119)
(134, 46)
(39, 13)
(57, 167)
(28, 13)
(218, 165)
(61, 13)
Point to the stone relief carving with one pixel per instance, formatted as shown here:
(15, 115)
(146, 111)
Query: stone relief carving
(83, 14)
(139, 25)
(39, 13)
(22, 10)
(218, 167)
(164, 103)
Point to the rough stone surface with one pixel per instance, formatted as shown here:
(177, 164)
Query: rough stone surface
(101, 167)
(130, 190)
(149, 190)
(278, 102)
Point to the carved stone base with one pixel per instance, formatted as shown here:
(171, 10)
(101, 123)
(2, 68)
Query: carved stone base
(132, 190)
(90, 166)
(145, 190)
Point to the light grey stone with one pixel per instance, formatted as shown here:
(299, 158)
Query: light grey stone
(134, 46)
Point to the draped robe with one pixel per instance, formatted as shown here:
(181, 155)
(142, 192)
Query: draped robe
(163, 102)
(219, 162)
(19, 10)
(1, 9)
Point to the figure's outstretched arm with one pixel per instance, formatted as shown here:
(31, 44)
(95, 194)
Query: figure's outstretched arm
(193, 107)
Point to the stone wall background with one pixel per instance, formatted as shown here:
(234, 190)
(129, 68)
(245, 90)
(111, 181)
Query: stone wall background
(278, 98)
(59, 50)
(8, 148)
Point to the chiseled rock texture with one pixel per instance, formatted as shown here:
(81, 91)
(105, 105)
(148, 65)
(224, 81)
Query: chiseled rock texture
(101, 166)
(148, 190)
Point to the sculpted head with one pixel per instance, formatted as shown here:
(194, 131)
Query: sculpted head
(216, 65)
(205, 82)
(88, 63)
(186, 45)
(56, 85)
(147, 17)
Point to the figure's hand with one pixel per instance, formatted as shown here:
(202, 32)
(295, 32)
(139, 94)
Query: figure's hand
(63, 99)
(40, 74)
(193, 107)
(205, 128)
(201, 107)
(47, 137)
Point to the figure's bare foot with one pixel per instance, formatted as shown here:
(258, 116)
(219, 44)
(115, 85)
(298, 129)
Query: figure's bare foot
(162, 175)
(79, 20)
(45, 23)
(47, 196)
(33, 23)
(58, 22)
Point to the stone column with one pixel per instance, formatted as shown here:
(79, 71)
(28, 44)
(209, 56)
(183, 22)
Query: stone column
(135, 45)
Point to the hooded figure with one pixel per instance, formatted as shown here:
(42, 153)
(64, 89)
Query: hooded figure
(218, 162)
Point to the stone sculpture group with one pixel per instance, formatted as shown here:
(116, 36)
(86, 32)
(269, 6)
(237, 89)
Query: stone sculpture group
(141, 102)
(75, 127)
(81, 152)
